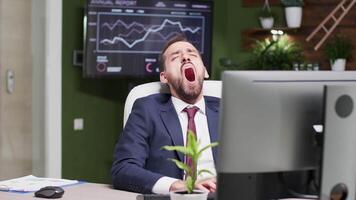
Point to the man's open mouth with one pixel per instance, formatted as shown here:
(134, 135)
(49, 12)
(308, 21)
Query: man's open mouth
(189, 74)
(188, 69)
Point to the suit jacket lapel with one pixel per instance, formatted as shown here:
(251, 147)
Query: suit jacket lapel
(212, 116)
(171, 122)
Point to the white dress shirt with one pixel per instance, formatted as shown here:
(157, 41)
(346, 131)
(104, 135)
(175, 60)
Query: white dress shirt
(206, 161)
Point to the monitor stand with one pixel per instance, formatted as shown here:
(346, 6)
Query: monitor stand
(339, 149)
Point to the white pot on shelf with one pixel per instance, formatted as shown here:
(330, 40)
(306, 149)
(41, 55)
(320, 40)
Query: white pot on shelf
(267, 22)
(293, 16)
(338, 65)
(196, 195)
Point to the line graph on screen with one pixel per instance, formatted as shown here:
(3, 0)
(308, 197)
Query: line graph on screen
(138, 33)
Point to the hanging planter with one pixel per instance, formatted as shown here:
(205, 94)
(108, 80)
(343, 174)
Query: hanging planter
(266, 16)
(293, 12)
(267, 22)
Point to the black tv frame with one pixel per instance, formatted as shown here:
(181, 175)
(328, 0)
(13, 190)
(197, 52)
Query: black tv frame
(207, 57)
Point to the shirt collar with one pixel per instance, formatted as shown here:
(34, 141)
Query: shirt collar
(179, 105)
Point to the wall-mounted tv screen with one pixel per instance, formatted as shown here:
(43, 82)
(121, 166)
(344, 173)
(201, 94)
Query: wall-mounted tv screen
(125, 37)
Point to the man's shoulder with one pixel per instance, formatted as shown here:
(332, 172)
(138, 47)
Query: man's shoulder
(212, 102)
(211, 99)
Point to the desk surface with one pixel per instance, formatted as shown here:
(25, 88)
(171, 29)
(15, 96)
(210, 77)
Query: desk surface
(87, 191)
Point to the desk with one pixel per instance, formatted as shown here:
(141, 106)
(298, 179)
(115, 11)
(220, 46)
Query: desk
(87, 191)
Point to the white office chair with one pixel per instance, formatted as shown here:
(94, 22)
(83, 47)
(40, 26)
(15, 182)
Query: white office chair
(210, 88)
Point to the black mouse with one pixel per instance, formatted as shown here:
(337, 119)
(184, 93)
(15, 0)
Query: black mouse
(50, 192)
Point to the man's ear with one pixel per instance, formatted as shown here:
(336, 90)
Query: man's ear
(162, 77)
(206, 74)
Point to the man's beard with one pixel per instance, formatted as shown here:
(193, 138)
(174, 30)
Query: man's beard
(186, 93)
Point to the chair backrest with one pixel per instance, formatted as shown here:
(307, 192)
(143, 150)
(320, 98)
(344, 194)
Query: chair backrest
(210, 88)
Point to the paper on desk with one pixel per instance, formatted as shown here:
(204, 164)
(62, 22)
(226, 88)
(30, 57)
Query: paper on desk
(32, 183)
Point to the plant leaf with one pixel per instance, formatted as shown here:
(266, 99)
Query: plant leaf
(189, 182)
(214, 144)
(204, 171)
(193, 147)
(181, 165)
(192, 142)
(182, 149)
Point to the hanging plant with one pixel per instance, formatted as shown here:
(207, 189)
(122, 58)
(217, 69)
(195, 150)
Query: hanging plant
(266, 16)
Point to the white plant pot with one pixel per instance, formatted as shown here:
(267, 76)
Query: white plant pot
(200, 195)
(267, 22)
(293, 16)
(338, 65)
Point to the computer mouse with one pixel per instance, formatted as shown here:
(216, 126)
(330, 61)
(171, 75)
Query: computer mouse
(50, 192)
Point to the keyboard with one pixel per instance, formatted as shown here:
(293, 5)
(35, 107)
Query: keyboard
(211, 196)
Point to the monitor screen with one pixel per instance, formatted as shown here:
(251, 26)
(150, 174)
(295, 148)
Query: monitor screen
(267, 122)
(125, 37)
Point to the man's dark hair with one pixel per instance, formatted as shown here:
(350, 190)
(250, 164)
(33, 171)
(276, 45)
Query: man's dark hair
(174, 39)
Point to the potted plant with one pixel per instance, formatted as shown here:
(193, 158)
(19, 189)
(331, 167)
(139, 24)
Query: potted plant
(192, 151)
(278, 54)
(293, 12)
(266, 18)
(338, 49)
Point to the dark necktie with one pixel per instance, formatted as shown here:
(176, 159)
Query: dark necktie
(191, 126)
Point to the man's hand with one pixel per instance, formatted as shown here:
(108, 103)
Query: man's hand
(207, 184)
(178, 185)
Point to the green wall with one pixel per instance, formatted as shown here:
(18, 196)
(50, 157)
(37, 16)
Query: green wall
(87, 154)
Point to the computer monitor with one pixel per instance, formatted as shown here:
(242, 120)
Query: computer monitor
(267, 121)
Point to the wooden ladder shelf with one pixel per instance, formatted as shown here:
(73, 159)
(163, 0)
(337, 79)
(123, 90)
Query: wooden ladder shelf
(344, 7)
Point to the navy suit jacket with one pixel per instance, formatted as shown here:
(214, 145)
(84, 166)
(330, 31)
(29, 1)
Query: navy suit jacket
(139, 161)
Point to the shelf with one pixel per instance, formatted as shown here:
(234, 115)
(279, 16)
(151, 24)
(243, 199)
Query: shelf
(249, 35)
(251, 3)
(314, 12)
(259, 2)
(263, 30)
